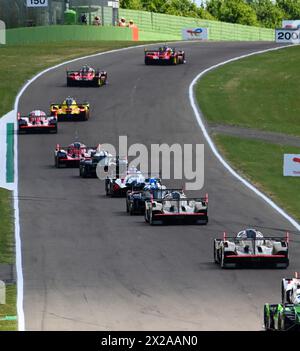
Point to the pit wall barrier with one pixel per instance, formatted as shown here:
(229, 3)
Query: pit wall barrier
(60, 33)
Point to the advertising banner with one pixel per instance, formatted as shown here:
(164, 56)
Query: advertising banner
(291, 165)
(195, 33)
(291, 24)
(284, 35)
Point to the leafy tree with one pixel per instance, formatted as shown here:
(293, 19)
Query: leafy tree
(291, 8)
(131, 4)
(181, 8)
(214, 7)
(268, 13)
(155, 5)
(233, 11)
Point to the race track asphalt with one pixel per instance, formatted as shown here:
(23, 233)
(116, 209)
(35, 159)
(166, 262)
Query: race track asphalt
(88, 265)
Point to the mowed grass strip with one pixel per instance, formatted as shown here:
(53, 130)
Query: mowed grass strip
(9, 309)
(260, 92)
(262, 164)
(19, 63)
(7, 248)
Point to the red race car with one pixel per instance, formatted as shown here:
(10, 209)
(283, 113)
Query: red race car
(71, 155)
(164, 55)
(86, 76)
(37, 121)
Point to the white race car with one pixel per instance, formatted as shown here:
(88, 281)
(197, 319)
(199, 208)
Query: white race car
(250, 247)
(175, 207)
(290, 290)
(37, 121)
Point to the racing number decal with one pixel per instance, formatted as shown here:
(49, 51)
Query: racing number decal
(288, 35)
(35, 3)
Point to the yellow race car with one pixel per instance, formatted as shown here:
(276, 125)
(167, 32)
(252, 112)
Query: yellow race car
(70, 110)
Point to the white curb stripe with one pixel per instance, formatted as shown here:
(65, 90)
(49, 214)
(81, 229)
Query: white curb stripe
(8, 118)
(199, 118)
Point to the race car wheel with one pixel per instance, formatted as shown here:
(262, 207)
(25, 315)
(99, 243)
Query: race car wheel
(87, 115)
(215, 254)
(147, 61)
(107, 187)
(266, 319)
(100, 82)
(280, 322)
(131, 210)
(146, 216)
(151, 218)
(69, 82)
(127, 207)
(56, 162)
(283, 294)
(223, 264)
(82, 172)
(152, 221)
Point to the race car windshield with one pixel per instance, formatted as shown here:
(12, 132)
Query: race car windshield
(251, 234)
(69, 101)
(85, 69)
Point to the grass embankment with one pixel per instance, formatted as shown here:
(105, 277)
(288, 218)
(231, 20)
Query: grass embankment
(9, 310)
(18, 64)
(7, 256)
(262, 164)
(258, 92)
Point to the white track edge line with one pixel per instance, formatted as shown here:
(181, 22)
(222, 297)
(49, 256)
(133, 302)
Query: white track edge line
(199, 117)
(18, 243)
(19, 267)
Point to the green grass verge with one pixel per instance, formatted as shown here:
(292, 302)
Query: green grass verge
(9, 309)
(18, 63)
(262, 164)
(7, 250)
(259, 92)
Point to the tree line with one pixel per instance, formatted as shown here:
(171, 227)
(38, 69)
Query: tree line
(264, 13)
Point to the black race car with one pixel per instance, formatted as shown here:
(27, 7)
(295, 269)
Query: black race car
(124, 179)
(136, 197)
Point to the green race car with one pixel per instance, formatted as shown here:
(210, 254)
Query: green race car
(282, 317)
(285, 315)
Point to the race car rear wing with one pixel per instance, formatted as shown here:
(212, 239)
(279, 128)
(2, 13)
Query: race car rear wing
(151, 52)
(97, 70)
(60, 147)
(179, 202)
(35, 117)
(163, 192)
(286, 238)
(53, 105)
